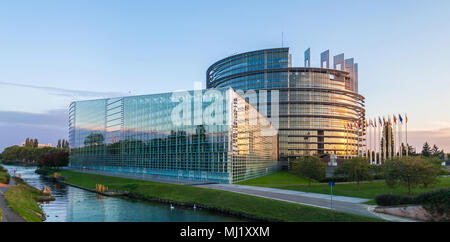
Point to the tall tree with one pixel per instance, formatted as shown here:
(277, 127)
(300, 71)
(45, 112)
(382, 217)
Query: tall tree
(436, 152)
(426, 150)
(59, 144)
(385, 145)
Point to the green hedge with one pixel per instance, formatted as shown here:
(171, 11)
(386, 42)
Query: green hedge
(435, 202)
(393, 200)
(334, 179)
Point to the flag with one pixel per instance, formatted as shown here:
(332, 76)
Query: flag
(394, 118)
(379, 120)
(400, 118)
(406, 118)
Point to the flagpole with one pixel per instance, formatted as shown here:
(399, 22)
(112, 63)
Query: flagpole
(365, 139)
(395, 137)
(375, 141)
(374, 144)
(346, 141)
(400, 137)
(406, 126)
(360, 137)
(370, 145)
(384, 141)
(389, 139)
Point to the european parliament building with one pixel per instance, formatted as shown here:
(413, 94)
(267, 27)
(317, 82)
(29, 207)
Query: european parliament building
(315, 104)
(257, 113)
(203, 135)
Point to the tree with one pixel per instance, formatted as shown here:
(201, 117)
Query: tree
(55, 159)
(356, 169)
(27, 154)
(310, 167)
(65, 144)
(59, 144)
(426, 150)
(436, 152)
(410, 171)
(411, 150)
(387, 131)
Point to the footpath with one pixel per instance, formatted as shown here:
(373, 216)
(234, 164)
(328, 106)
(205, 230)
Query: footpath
(8, 214)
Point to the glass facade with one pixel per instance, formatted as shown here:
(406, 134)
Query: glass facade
(315, 104)
(204, 135)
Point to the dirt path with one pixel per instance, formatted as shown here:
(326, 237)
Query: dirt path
(8, 214)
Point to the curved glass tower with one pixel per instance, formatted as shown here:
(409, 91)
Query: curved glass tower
(320, 110)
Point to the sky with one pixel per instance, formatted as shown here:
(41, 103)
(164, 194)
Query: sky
(54, 52)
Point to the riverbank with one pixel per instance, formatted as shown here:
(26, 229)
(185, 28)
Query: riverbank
(250, 207)
(23, 200)
(6, 213)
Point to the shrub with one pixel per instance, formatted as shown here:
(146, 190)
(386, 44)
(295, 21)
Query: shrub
(334, 179)
(4, 175)
(436, 202)
(392, 200)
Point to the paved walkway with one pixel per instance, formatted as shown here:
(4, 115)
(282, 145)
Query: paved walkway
(340, 203)
(8, 214)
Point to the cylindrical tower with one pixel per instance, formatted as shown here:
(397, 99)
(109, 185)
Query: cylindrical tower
(316, 104)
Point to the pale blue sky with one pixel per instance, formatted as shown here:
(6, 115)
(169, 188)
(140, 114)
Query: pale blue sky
(52, 52)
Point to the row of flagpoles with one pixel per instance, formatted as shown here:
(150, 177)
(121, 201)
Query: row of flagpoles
(370, 138)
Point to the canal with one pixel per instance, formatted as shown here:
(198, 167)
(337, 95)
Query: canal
(77, 205)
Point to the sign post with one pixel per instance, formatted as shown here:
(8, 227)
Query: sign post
(331, 184)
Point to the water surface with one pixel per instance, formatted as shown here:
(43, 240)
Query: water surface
(77, 205)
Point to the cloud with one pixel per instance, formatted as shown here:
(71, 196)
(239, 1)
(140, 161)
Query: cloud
(68, 92)
(47, 127)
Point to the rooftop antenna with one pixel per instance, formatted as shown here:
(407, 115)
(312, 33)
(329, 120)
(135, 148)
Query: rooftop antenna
(282, 40)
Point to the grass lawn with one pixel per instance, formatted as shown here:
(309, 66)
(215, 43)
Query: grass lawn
(276, 179)
(21, 199)
(1, 215)
(261, 207)
(367, 190)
